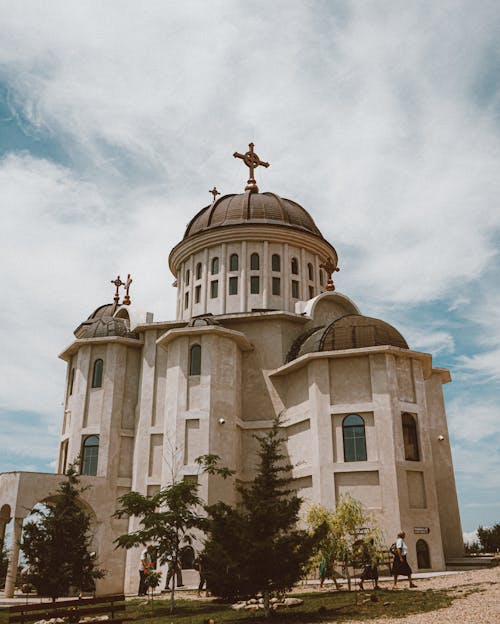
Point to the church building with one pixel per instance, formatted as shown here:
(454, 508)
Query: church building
(260, 331)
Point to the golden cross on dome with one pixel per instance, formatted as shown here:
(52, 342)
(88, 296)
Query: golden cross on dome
(252, 161)
(117, 282)
(126, 299)
(214, 192)
(330, 267)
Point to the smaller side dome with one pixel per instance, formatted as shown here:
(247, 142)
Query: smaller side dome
(106, 320)
(109, 326)
(352, 331)
(202, 321)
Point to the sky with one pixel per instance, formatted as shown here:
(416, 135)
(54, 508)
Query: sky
(381, 118)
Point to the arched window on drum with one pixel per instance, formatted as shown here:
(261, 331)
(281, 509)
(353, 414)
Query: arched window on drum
(353, 432)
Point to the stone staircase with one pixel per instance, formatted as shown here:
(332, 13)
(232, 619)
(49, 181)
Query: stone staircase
(472, 562)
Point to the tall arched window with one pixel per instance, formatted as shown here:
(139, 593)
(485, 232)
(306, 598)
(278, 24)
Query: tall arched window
(90, 455)
(321, 278)
(215, 266)
(410, 438)
(97, 374)
(233, 262)
(254, 262)
(310, 271)
(188, 274)
(295, 266)
(198, 271)
(276, 262)
(423, 556)
(353, 431)
(195, 360)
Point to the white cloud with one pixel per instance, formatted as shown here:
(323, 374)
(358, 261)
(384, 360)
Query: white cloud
(381, 118)
(473, 419)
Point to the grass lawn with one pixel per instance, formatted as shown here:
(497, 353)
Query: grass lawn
(318, 607)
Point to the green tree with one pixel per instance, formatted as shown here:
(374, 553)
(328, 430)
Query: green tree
(489, 538)
(170, 518)
(256, 547)
(56, 543)
(351, 536)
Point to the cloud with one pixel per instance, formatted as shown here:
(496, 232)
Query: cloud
(473, 419)
(380, 118)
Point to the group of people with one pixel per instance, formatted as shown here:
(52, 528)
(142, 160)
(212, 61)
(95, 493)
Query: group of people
(174, 569)
(399, 566)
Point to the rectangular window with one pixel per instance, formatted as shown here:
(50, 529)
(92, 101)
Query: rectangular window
(197, 294)
(254, 285)
(276, 286)
(276, 262)
(311, 292)
(214, 289)
(233, 285)
(186, 300)
(295, 289)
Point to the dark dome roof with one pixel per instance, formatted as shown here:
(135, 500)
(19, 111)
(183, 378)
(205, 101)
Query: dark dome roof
(251, 207)
(103, 322)
(352, 331)
(109, 326)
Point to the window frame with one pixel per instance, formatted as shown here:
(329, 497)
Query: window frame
(295, 289)
(276, 286)
(355, 443)
(234, 262)
(195, 360)
(276, 261)
(214, 289)
(214, 265)
(254, 261)
(199, 269)
(97, 373)
(254, 279)
(411, 445)
(232, 287)
(90, 462)
(294, 266)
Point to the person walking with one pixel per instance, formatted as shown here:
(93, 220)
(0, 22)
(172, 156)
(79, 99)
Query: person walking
(369, 560)
(400, 566)
(144, 566)
(174, 568)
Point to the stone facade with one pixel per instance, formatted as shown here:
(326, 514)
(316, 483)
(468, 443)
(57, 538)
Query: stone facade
(144, 398)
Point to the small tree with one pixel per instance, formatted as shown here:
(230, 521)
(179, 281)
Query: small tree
(169, 518)
(351, 535)
(256, 547)
(56, 543)
(489, 538)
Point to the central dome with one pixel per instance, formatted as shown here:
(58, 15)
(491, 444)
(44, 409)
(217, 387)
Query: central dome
(251, 207)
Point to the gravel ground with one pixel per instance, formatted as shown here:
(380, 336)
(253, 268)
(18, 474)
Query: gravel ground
(482, 606)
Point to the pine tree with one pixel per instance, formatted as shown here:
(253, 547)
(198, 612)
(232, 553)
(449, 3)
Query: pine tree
(256, 547)
(56, 543)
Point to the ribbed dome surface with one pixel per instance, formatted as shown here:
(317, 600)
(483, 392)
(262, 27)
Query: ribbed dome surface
(352, 331)
(357, 332)
(250, 207)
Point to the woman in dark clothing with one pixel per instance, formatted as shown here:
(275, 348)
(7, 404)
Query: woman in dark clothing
(400, 566)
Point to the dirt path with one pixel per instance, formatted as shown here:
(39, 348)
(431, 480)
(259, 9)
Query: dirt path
(477, 600)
